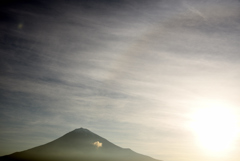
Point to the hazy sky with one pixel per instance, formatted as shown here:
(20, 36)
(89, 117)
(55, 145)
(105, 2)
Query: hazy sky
(132, 71)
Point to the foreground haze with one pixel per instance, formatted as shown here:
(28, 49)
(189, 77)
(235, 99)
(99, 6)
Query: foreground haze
(161, 77)
(80, 144)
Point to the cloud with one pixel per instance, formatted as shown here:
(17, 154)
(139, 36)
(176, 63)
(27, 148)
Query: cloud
(97, 144)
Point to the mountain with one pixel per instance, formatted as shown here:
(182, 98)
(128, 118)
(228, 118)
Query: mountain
(78, 145)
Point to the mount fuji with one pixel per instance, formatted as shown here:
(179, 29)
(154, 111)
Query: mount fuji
(78, 145)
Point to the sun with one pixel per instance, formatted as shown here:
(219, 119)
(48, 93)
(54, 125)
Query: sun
(216, 127)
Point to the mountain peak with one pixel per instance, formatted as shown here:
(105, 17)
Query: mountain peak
(81, 133)
(82, 130)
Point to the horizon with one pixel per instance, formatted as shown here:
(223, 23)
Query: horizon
(160, 77)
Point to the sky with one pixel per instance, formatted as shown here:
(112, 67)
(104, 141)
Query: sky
(132, 71)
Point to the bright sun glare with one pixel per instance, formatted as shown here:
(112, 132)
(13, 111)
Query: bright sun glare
(216, 127)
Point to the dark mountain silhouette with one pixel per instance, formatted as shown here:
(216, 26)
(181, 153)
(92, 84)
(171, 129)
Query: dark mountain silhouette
(78, 145)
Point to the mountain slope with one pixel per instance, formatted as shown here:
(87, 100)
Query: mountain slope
(78, 145)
